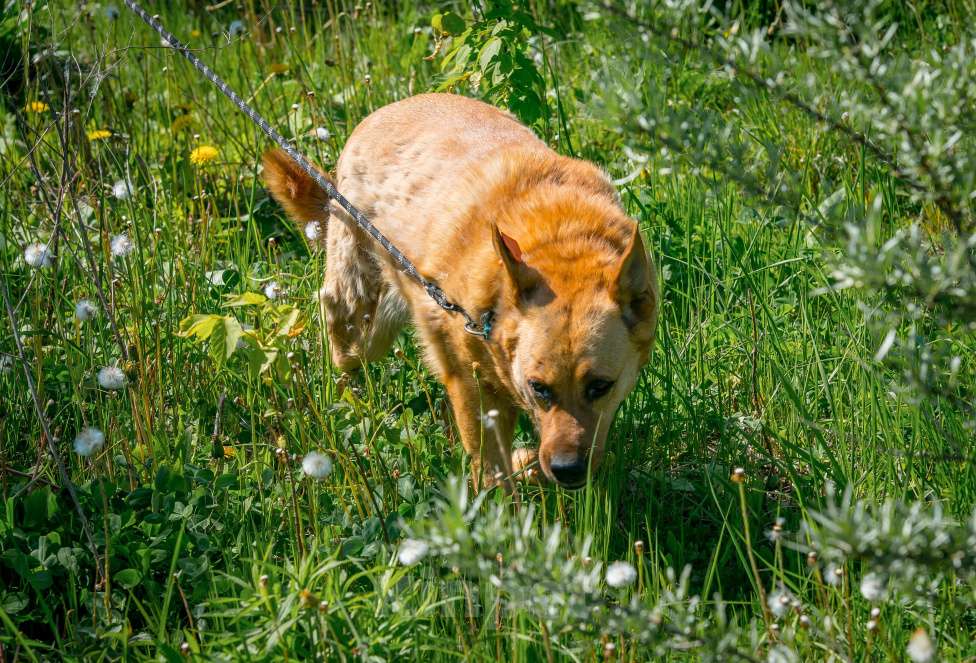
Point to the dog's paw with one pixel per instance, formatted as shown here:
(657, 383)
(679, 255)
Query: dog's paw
(525, 465)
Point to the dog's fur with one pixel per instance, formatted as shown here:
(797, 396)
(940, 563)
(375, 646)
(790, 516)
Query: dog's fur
(502, 223)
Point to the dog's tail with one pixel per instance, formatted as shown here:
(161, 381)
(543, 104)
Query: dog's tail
(303, 199)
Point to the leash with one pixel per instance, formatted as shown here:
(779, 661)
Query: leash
(480, 328)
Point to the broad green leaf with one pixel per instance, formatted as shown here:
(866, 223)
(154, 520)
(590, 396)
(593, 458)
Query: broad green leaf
(233, 333)
(451, 23)
(246, 299)
(200, 326)
(488, 52)
(128, 578)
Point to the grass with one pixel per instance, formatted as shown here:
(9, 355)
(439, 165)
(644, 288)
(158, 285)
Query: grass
(213, 539)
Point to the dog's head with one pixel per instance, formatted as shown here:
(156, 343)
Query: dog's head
(584, 315)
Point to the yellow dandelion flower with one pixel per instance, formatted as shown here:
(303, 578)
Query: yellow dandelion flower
(181, 123)
(36, 107)
(203, 155)
(229, 452)
(196, 34)
(99, 134)
(279, 68)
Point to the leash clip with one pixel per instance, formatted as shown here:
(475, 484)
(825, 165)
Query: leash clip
(484, 329)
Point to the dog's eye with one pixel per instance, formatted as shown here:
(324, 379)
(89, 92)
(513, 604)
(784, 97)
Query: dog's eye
(542, 392)
(598, 389)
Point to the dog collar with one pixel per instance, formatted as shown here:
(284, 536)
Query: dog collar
(484, 329)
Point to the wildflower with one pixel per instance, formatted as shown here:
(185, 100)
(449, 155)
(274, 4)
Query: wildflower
(111, 378)
(229, 451)
(316, 465)
(779, 602)
(38, 255)
(776, 533)
(278, 68)
(88, 441)
(121, 189)
(621, 574)
(873, 587)
(181, 123)
(312, 231)
(832, 575)
(99, 134)
(738, 475)
(121, 246)
(235, 28)
(36, 107)
(920, 648)
(85, 310)
(412, 551)
(490, 419)
(322, 133)
(196, 34)
(203, 155)
(112, 13)
(272, 290)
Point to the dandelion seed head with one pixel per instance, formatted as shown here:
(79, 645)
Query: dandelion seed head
(272, 290)
(832, 575)
(111, 378)
(412, 551)
(621, 574)
(920, 648)
(88, 441)
(490, 419)
(38, 256)
(85, 309)
(322, 133)
(121, 246)
(313, 231)
(316, 465)
(779, 602)
(873, 587)
(121, 189)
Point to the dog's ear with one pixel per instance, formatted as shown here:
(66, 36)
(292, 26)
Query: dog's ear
(520, 275)
(635, 286)
(302, 198)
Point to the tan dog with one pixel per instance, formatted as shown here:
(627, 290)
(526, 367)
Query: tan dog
(504, 224)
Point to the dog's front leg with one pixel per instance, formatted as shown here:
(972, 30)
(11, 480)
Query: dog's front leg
(486, 426)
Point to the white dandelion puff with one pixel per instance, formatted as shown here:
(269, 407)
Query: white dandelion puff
(88, 441)
(920, 648)
(322, 133)
(313, 231)
(121, 190)
(316, 465)
(121, 246)
(412, 551)
(779, 602)
(490, 419)
(111, 378)
(272, 290)
(621, 574)
(38, 255)
(873, 587)
(832, 575)
(85, 309)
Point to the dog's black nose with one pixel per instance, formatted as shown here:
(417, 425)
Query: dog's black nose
(570, 474)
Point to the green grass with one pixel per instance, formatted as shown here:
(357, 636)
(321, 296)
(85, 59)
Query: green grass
(211, 540)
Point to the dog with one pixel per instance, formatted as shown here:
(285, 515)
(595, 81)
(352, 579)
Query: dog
(503, 224)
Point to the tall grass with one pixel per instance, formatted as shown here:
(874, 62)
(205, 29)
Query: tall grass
(206, 537)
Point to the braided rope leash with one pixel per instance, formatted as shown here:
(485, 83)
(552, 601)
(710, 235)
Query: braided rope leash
(482, 328)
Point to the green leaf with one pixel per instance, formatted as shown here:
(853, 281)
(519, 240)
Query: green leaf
(200, 326)
(128, 578)
(233, 333)
(488, 52)
(246, 299)
(451, 23)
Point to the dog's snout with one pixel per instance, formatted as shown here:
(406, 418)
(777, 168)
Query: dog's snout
(569, 471)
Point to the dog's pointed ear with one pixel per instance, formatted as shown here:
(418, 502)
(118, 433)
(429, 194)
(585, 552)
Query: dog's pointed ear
(521, 275)
(635, 287)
